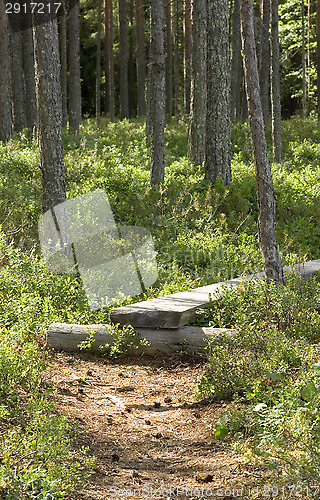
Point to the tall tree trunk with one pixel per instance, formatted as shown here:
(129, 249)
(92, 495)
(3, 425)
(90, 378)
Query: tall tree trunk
(198, 109)
(5, 77)
(74, 67)
(98, 67)
(106, 55)
(17, 82)
(218, 124)
(265, 192)
(28, 66)
(157, 91)
(168, 46)
(141, 59)
(131, 65)
(64, 68)
(309, 54)
(49, 107)
(318, 58)
(187, 55)
(265, 59)
(235, 59)
(275, 84)
(304, 61)
(176, 58)
(123, 56)
(111, 64)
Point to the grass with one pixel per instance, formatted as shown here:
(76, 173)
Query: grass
(202, 234)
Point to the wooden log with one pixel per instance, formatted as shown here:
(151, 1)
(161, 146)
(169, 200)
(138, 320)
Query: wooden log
(177, 309)
(190, 339)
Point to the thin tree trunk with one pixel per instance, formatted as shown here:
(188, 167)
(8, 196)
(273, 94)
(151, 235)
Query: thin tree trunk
(275, 84)
(318, 58)
(168, 46)
(131, 65)
(98, 66)
(235, 59)
(64, 68)
(157, 101)
(123, 56)
(265, 59)
(17, 83)
(218, 123)
(74, 67)
(198, 110)
(176, 58)
(106, 55)
(5, 77)
(265, 192)
(304, 62)
(309, 54)
(187, 55)
(49, 108)
(141, 59)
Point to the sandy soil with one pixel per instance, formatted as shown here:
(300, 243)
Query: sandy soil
(150, 436)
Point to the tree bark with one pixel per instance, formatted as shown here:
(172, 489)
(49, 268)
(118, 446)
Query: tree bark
(187, 55)
(123, 56)
(98, 67)
(235, 59)
(28, 67)
(304, 60)
(64, 67)
(168, 46)
(141, 59)
(198, 110)
(74, 67)
(275, 84)
(218, 124)
(17, 83)
(49, 109)
(157, 91)
(131, 65)
(176, 59)
(265, 59)
(318, 58)
(5, 77)
(265, 191)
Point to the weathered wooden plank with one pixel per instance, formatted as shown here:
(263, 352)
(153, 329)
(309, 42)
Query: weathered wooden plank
(175, 310)
(191, 339)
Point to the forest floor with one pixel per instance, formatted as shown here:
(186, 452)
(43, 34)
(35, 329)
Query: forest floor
(150, 436)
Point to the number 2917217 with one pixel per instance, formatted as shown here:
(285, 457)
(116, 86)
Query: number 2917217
(33, 7)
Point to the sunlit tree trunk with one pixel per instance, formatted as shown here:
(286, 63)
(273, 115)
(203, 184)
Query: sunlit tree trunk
(198, 109)
(63, 58)
(5, 77)
(218, 123)
(141, 59)
(131, 65)
(157, 98)
(275, 84)
(168, 47)
(49, 110)
(74, 68)
(98, 66)
(235, 59)
(265, 191)
(187, 55)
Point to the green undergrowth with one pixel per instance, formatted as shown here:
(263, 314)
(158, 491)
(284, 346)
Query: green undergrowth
(270, 371)
(202, 234)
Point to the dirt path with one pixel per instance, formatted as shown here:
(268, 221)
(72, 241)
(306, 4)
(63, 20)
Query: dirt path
(150, 438)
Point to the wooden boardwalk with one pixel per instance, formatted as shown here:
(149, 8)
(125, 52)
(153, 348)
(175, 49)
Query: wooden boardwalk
(177, 309)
